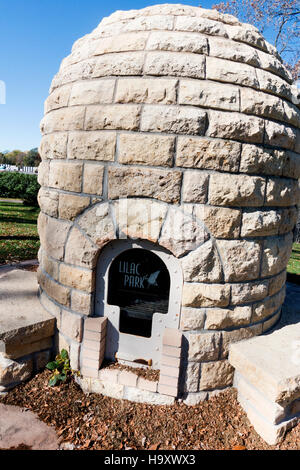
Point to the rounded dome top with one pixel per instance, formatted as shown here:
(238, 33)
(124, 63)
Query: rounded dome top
(213, 49)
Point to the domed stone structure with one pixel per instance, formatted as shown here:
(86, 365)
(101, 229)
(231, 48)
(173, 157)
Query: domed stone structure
(169, 197)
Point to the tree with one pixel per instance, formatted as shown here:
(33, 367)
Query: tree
(283, 16)
(32, 158)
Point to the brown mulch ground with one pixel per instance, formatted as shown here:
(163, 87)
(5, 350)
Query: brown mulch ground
(96, 422)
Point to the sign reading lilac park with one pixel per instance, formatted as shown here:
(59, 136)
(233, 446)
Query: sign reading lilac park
(139, 283)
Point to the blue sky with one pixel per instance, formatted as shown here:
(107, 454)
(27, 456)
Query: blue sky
(35, 36)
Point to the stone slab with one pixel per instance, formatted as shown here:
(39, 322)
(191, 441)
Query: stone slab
(271, 363)
(22, 318)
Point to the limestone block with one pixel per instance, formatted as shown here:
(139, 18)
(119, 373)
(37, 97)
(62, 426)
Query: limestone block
(140, 218)
(192, 375)
(260, 223)
(50, 266)
(280, 135)
(92, 92)
(140, 90)
(74, 355)
(276, 283)
(273, 84)
(248, 292)
(66, 119)
(78, 278)
(145, 149)
(217, 374)
(271, 363)
(237, 336)
(19, 350)
(181, 233)
(236, 190)
(205, 26)
(238, 52)
(115, 116)
(133, 181)
(177, 42)
(178, 120)
(71, 325)
(58, 99)
(209, 94)
(122, 43)
(231, 72)
(247, 34)
(97, 223)
(93, 179)
(81, 302)
(235, 126)
(210, 154)
(192, 399)
(267, 325)
(195, 186)
(70, 206)
(271, 411)
(149, 23)
(54, 146)
(43, 173)
(144, 396)
(291, 168)
(12, 372)
(276, 253)
(202, 264)
(204, 346)
(50, 307)
(262, 104)
(282, 192)
(241, 259)
(221, 318)
(291, 114)
(48, 202)
(58, 292)
(205, 295)
(222, 222)
(270, 63)
(94, 145)
(288, 220)
(53, 234)
(79, 250)
(271, 433)
(269, 306)
(192, 318)
(123, 63)
(257, 160)
(67, 176)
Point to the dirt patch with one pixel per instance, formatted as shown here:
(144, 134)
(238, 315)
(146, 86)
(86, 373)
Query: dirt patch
(96, 422)
(147, 373)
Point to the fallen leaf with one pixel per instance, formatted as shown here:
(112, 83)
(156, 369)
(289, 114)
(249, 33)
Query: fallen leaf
(154, 447)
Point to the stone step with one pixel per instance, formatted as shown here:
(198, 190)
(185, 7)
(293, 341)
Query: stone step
(25, 326)
(267, 378)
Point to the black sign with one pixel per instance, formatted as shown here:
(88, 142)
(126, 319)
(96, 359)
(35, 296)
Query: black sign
(139, 283)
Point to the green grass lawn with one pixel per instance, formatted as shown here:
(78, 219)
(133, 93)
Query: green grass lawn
(19, 238)
(294, 262)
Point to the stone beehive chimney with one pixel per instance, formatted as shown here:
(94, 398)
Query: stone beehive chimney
(168, 200)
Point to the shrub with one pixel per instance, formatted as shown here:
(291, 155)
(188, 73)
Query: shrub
(21, 186)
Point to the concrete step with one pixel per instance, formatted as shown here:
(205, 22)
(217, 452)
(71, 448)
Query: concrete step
(267, 378)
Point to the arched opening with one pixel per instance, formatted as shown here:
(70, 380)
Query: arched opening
(138, 289)
(139, 283)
